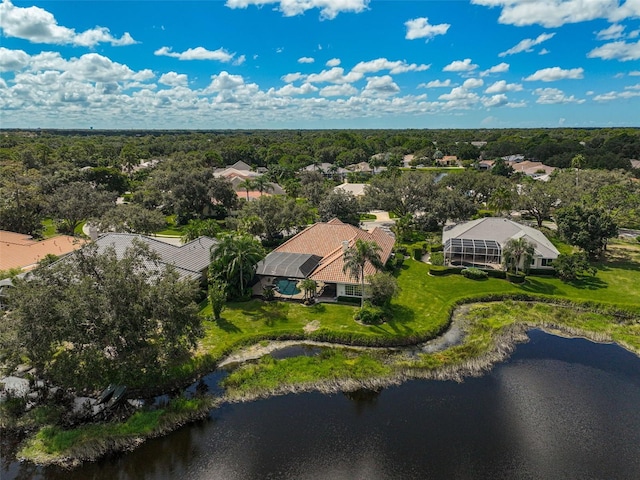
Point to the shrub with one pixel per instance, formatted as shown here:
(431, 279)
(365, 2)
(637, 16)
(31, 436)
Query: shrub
(369, 315)
(382, 288)
(349, 300)
(474, 273)
(441, 270)
(436, 247)
(401, 250)
(513, 278)
(638, 239)
(542, 272)
(496, 273)
(399, 261)
(437, 258)
(418, 253)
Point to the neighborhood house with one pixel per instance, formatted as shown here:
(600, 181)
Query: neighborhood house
(479, 243)
(317, 253)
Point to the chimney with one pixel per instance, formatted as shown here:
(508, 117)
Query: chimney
(345, 245)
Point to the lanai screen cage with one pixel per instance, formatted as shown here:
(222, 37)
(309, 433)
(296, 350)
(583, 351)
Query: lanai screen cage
(472, 252)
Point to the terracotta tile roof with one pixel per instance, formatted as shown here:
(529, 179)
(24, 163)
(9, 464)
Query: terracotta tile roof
(22, 251)
(326, 240)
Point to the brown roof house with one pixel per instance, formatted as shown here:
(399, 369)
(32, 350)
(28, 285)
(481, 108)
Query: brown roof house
(18, 250)
(317, 253)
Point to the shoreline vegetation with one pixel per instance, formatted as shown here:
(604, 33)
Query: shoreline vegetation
(490, 332)
(486, 318)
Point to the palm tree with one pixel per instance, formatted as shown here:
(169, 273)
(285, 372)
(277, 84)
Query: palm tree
(234, 260)
(262, 184)
(577, 162)
(515, 251)
(308, 286)
(501, 200)
(247, 185)
(357, 256)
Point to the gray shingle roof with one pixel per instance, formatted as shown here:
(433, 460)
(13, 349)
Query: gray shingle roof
(189, 260)
(501, 230)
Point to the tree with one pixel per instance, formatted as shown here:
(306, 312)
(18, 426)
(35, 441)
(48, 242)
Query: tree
(308, 286)
(404, 194)
(131, 218)
(356, 258)
(382, 288)
(217, 297)
(200, 228)
(502, 168)
(501, 200)
(536, 199)
(262, 184)
(247, 185)
(577, 163)
(341, 205)
(95, 318)
(234, 260)
(313, 187)
(568, 267)
(273, 216)
(589, 228)
(516, 252)
(72, 203)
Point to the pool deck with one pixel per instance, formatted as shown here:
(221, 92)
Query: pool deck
(268, 282)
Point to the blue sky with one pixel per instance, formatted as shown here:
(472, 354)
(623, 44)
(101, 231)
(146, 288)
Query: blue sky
(319, 64)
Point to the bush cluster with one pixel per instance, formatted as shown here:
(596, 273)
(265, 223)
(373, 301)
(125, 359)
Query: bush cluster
(513, 278)
(474, 273)
(370, 315)
(438, 270)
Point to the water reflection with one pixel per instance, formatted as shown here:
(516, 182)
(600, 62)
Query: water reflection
(560, 408)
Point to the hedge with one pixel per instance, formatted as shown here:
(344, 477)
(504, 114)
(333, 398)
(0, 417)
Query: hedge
(436, 247)
(349, 300)
(438, 270)
(497, 273)
(418, 253)
(513, 278)
(542, 272)
(474, 273)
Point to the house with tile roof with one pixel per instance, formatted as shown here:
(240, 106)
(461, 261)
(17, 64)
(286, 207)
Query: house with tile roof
(190, 260)
(318, 253)
(18, 250)
(479, 243)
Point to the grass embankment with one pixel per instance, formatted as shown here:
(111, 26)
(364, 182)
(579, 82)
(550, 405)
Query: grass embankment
(54, 445)
(605, 308)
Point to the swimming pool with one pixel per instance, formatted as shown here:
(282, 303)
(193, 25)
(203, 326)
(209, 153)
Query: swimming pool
(287, 287)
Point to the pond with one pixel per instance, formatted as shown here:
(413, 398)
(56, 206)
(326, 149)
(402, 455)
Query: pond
(558, 409)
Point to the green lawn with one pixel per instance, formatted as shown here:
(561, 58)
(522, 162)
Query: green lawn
(171, 230)
(420, 312)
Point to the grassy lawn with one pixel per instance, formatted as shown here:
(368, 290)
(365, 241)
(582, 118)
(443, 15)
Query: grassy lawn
(420, 312)
(49, 229)
(171, 230)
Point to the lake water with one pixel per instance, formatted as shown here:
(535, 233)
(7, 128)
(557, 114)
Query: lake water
(558, 409)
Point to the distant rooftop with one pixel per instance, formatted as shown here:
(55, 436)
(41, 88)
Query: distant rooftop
(18, 250)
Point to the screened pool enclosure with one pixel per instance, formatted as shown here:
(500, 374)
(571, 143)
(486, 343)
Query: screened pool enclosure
(472, 252)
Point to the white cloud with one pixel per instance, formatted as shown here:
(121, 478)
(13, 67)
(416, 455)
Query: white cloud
(607, 97)
(334, 62)
(345, 90)
(39, 26)
(502, 86)
(383, 86)
(420, 28)
(329, 9)
(552, 96)
(544, 51)
(500, 68)
(460, 66)
(290, 90)
(292, 77)
(556, 73)
(384, 64)
(436, 84)
(634, 73)
(633, 87)
(225, 81)
(306, 60)
(240, 60)
(621, 51)
(198, 53)
(495, 100)
(334, 75)
(472, 83)
(11, 60)
(555, 13)
(611, 33)
(527, 44)
(173, 79)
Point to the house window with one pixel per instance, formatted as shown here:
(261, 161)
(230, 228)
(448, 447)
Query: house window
(353, 290)
(546, 262)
